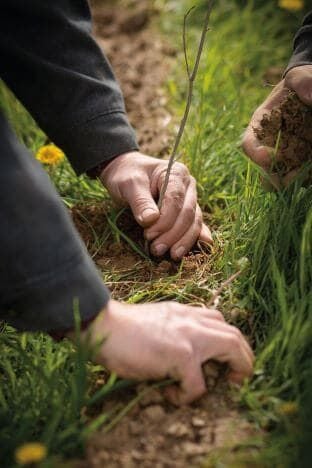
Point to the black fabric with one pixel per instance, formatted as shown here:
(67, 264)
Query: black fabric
(302, 54)
(45, 268)
(53, 65)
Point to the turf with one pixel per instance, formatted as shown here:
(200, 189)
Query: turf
(47, 386)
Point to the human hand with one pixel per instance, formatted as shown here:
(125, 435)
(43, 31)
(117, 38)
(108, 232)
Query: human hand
(135, 179)
(298, 79)
(167, 339)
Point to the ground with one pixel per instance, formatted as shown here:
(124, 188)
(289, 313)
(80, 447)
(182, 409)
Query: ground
(84, 416)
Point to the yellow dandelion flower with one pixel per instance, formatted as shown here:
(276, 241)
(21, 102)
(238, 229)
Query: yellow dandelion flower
(32, 452)
(50, 154)
(291, 5)
(288, 408)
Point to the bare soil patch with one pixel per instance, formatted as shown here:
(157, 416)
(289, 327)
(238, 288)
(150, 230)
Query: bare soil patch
(288, 125)
(155, 434)
(141, 61)
(117, 257)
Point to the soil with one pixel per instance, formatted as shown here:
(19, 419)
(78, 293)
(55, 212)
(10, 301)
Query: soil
(154, 433)
(141, 61)
(291, 122)
(116, 257)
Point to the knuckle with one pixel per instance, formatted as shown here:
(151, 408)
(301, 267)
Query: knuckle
(189, 212)
(186, 352)
(175, 199)
(235, 332)
(141, 202)
(182, 169)
(219, 315)
(234, 342)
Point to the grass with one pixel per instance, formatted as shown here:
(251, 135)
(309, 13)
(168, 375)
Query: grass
(46, 386)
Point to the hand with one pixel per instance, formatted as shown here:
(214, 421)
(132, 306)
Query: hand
(298, 79)
(167, 339)
(135, 179)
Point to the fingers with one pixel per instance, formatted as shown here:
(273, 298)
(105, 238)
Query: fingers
(205, 235)
(206, 336)
(187, 229)
(186, 242)
(139, 197)
(237, 354)
(180, 184)
(252, 147)
(184, 219)
(260, 154)
(181, 237)
(192, 387)
(299, 79)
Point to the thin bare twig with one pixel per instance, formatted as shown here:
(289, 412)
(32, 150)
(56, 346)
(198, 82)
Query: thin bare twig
(185, 41)
(191, 78)
(222, 286)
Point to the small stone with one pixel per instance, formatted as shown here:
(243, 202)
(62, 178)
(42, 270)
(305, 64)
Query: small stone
(211, 369)
(210, 382)
(178, 429)
(135, 427)
(198, 422)
(136, 455)
(192, 449)
(151, 397)
(164, 266)
(154, 413)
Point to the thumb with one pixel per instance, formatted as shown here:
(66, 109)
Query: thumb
(299, 79)
(142, 204)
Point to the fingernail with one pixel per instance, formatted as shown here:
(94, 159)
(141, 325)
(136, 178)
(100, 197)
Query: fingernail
(147, 213)
(160, 249)
(151, 235)
(179, 252)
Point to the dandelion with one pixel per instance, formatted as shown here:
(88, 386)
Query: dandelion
(288, 408)
(291, 5)
(50, 155)
(33, 452)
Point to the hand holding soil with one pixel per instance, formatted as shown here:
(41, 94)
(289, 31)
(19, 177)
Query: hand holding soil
(135, 179)
(283, 120)
(167, 339)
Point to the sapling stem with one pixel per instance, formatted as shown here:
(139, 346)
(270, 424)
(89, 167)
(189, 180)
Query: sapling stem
(191, 79)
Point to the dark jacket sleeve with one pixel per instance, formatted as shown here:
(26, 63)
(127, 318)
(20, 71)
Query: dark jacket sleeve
(302, 54)
(45, 269)
(53, 65)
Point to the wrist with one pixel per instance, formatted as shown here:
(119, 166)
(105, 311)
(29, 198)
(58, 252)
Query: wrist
(114, 164)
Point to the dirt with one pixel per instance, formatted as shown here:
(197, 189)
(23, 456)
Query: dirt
(154, 433)
(291, 124)
(141, 61)
(116, 257)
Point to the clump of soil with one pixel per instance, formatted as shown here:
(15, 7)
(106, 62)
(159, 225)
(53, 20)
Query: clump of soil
(290, 126)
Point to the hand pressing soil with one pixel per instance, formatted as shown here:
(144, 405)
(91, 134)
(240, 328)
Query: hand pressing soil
(288, 127)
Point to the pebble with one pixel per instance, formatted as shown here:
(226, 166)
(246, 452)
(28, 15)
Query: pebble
(198, 422)
(178, 429)
(191, 449)
(135, 427)
(211, 369)
(151, 397)
(154, 413)
(136, 455)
